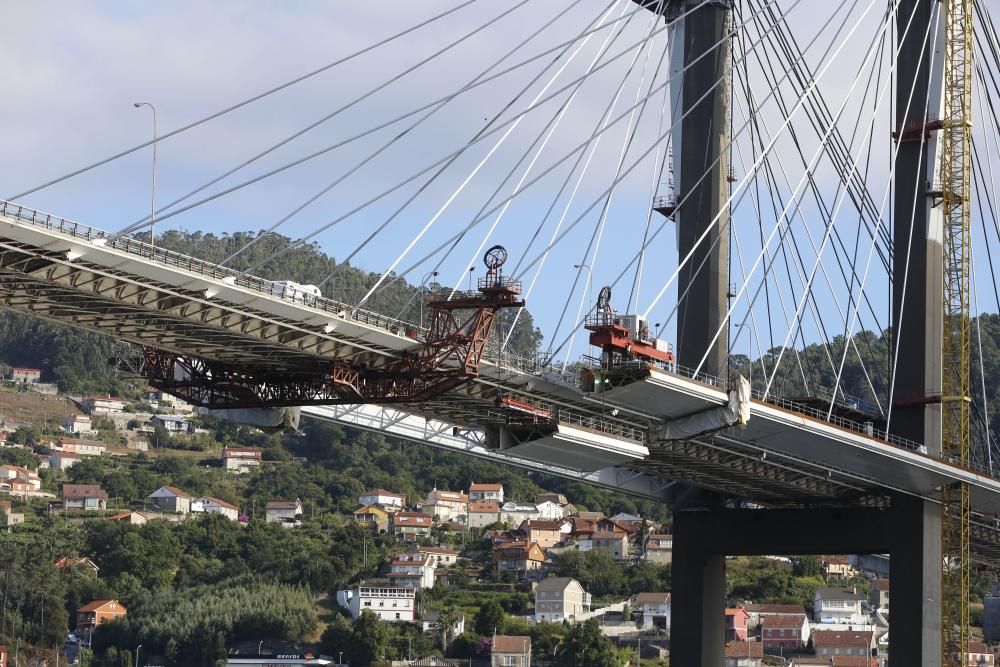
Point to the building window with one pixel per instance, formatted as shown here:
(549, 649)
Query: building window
(397, 615)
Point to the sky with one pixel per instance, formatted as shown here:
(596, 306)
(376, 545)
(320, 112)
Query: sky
(74, 70)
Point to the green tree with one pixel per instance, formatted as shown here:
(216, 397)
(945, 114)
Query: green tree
(585, 645)
(369, 639)
(490, 618)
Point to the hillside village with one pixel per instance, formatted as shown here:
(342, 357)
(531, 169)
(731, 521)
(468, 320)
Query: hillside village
(475, 575)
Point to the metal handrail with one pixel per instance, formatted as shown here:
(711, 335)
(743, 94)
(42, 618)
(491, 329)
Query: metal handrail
(270, 288)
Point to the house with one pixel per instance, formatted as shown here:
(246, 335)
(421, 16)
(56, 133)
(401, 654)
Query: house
(758, 612)
(744, 654)
(483, 514)
(8, 516)
(63, 460)
(133, 518)
(559, 599)
(412, 570)
(514, 514)
(285, 512)
(373, 517)
(524, 559)
(389, 603)
(614, 542)
(510, 651)
(441, 555)
(170, 499)
(489, 493)
(828, 643)
(210, 505)
(446, 505)
(68, 563)
(411, 525)
(980, 655)
(240, 459)
(382, 498)
(20, 480)
(172, 424)
(655, 609)
(878, 595)
(838, 605)
(25, 375)
(658, 548)
(3, 656)
(430, 622)
(79, 424)
(736, 624)
(81, 448)
(784, 632)
(836, 567)
(550, 511)
(545, 533)
(90, 616)
(88, 497)
(102, 405)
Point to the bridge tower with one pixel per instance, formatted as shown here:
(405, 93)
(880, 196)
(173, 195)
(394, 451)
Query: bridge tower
(705, 531)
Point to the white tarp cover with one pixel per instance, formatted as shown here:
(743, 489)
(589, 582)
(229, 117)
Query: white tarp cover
(268, 419)
(737, 411)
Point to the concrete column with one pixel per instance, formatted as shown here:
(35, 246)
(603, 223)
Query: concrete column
(698, 595)
(918, 260)
(915, 582)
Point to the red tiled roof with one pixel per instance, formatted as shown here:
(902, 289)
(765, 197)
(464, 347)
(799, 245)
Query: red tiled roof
(734, 611)
(77, 491)
(881, 584)
(744, 650)
(784, 621)
(97, 605)
(221, 502)
(412, 519)
(484, 507)
(652, 598)
(174, 490)
(541, 524)
(511, 644)
(485, 487)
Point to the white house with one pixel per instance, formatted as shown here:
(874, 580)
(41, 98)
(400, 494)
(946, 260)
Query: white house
(171, 499)
(286, 512)
(446, 505)
(838, 605)
(515, 514)
(25, 375)
(102, 405)
(210, 505)
(382, 498)
(550, 510)
(413, 570)
(430, 622)
(483, 514)
(79, 424)
(172, 424)
(240, 459)
(63, 460)
(441, 555)
(389, 603)
(559, 599)
(81, 448)
(655, 609)
(490, 493)
(19, 480)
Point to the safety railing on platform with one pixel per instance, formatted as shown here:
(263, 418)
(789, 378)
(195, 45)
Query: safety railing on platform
(276, 289)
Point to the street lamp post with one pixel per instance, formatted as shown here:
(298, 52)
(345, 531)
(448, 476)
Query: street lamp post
(590, 282)
(137, 655)
(423, 290)
(152, 208)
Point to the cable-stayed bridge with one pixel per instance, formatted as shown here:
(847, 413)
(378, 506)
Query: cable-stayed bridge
(796, 218)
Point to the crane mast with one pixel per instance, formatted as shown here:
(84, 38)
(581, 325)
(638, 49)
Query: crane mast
(956, 175)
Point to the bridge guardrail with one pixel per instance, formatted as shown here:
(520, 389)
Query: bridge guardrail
(149, 251)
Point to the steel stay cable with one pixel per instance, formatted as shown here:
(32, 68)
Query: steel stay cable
(487, 134)
(245, 102)
(395, 138)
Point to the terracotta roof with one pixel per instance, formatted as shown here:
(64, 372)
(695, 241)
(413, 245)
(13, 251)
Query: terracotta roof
(733, 611)
(978, 647)
(5, 505)
(76, 491)
(511, 644)
(652, 598)
(516, 551)
(485, 487)
(744, 650)
(119, 517)
(412, 519)
(784, 621)
(541, 524)
(219, 501)
(881, 584)
(239, 452)
(842, 638)
(97, 605)
(484, 507)
(174, 490)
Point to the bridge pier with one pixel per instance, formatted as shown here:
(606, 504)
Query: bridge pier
(909, 531)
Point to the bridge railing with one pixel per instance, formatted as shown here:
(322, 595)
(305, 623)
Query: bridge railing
(275, 289)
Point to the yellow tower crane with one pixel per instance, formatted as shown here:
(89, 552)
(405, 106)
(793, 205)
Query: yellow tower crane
(956, 175)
